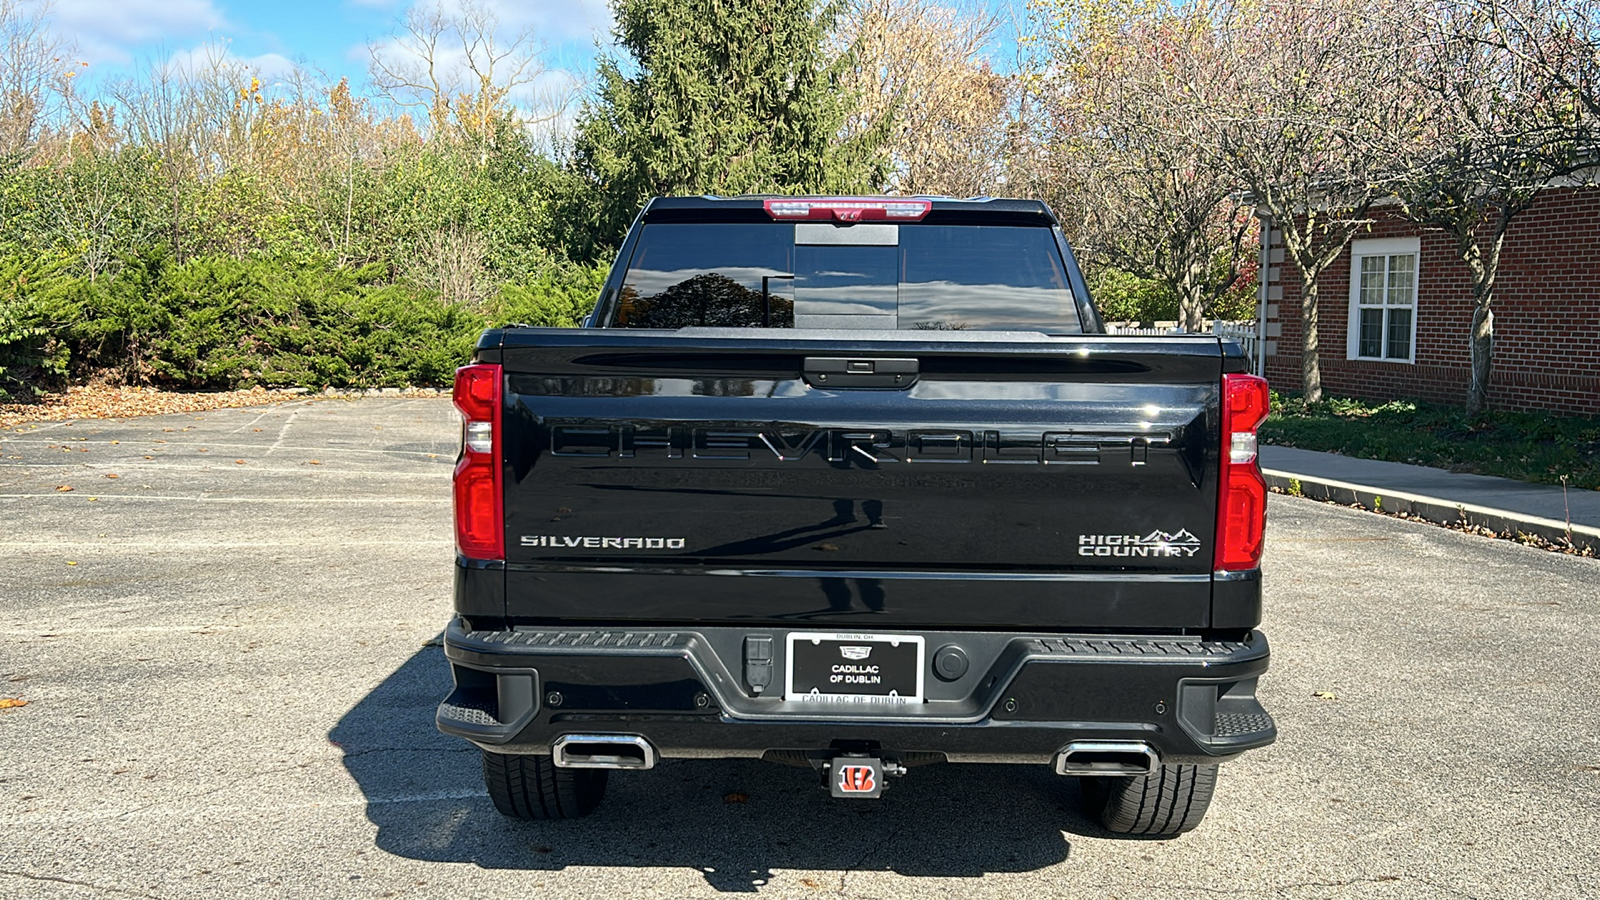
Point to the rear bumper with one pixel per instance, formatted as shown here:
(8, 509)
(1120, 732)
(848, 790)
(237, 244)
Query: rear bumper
(1023, 699)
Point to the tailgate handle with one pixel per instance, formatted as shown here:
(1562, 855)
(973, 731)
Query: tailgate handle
(844, 372)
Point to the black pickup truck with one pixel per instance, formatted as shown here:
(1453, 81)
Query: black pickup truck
(856, 485)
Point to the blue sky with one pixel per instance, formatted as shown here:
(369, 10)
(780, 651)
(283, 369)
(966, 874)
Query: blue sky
(330, 35)
(115, 36)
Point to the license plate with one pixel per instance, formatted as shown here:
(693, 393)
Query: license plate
(854, 668)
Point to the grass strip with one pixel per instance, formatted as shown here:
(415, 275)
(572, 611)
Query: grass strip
(1531, 446)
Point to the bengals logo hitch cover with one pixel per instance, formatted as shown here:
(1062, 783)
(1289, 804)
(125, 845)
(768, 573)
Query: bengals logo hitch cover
(856, 777)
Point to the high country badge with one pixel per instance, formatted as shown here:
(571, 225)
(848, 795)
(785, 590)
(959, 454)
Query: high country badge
(1157, 544)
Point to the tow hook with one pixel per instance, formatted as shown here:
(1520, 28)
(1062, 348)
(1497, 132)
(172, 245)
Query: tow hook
(858, 775)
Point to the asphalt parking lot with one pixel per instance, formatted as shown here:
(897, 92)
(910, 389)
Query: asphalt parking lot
(225, 634)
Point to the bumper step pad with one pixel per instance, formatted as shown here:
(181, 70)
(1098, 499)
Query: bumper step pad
(1134, 649)
(581, 640)
(1238, 725)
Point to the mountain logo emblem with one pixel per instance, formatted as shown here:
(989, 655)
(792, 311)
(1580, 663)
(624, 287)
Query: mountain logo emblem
(1166, 537)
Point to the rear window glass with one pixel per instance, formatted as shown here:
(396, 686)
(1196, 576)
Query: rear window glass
(817, 275)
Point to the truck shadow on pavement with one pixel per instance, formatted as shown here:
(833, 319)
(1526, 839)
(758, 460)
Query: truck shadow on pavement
(736, 821)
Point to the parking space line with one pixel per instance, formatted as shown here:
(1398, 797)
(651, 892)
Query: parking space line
(282, 432)
(175, 807)
(439, 501)
(264, 413)
(140, 466)
(218, 545)
(322, 450)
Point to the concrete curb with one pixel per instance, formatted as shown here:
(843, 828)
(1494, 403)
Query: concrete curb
(1433, 509)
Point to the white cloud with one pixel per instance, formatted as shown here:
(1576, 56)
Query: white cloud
(107, 31)
(211, 55)
(552, 21)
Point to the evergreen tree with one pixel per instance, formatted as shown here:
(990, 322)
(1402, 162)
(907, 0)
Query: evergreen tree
(716, 97)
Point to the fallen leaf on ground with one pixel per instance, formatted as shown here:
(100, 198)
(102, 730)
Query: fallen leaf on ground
(736, 797)
(1325, 695)
(71, 562)
(238, 462)
(809, 882)
(12, 702)
(112, 475)
(149, 457)
(63, 488)
(112, 402)
(314, 462)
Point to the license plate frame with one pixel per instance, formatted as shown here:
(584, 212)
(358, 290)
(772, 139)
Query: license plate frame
(847, 658)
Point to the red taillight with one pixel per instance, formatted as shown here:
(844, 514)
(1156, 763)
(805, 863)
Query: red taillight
(480, 513)
(848, 209)
(1242, 493)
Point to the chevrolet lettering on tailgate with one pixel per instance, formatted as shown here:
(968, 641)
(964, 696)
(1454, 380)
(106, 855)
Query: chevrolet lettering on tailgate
(627, 441)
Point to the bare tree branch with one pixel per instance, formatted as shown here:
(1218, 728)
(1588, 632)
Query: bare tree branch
(36, 67)
(458, 68)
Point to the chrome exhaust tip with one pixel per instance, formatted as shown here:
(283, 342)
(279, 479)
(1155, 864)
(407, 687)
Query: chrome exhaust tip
(1107, 758)
(603, 751)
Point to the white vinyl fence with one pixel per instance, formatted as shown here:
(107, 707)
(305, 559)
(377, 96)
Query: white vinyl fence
(1115, 328)
(1243, 332)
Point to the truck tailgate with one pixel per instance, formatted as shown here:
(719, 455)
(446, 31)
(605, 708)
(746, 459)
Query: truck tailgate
(1001, 479)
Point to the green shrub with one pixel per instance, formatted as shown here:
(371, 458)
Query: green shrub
(1122, 297)
(217, 322)
(556, 299)
(31, 294)
(306, 323)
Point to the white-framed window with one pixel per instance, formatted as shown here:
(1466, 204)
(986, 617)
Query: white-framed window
(1383, 299)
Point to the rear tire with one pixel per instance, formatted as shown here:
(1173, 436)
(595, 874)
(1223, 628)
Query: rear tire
(1166, 803)
(534, 787)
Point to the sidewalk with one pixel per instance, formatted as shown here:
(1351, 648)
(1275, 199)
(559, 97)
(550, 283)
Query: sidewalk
(1500, 504)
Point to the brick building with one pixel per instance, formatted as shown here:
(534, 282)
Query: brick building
(1395, 312)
